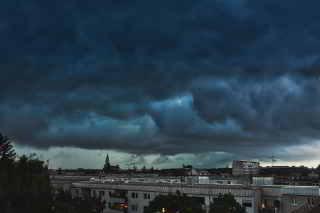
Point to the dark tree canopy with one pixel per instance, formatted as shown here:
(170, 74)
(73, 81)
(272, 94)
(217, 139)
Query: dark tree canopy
(6, 149)
(25, 187)
(173, 203)
(226, 204)
(65, 203)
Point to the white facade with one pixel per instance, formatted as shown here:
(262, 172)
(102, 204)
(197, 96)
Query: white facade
(300, 190)
(259, 181)
(139, 195)
(136, 195)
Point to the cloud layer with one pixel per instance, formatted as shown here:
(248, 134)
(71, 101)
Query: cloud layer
(167, 77)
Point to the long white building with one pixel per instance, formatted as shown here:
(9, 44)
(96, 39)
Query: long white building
(134, 194)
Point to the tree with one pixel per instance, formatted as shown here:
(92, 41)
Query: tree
(6, 149)
(318, 169)
(173, 203)
(226, 204)
(25, 187)
(7, 157)
(24, 182)
(65, 203)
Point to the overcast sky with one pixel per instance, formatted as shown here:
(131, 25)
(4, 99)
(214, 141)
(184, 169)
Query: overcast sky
(161, 83)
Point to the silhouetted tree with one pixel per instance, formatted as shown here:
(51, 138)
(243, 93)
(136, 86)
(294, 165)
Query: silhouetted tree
(6, 149)
(318, 169)
(173, 203)
(24, 182)
(65, 203)
(226, 204)
(25, 187)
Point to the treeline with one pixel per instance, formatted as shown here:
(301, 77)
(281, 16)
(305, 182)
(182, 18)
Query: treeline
(25, 187)
(173, 203)
(24, 182)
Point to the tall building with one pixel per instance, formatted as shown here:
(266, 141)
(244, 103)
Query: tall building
(245, 168)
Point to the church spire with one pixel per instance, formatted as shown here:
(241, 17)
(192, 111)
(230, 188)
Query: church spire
(107, 162)
(107, 168)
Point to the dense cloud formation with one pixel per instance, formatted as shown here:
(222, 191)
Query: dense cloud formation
(161, 77)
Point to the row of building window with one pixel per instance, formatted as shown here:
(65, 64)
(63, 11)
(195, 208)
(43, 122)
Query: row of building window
(102, 193)
(145, 195)
(134, 195)
(135, 208)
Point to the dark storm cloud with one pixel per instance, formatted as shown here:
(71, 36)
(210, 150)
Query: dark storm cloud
(161, 77)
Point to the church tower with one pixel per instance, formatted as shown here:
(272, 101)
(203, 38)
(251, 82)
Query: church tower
(108, 168)
(107, 164)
